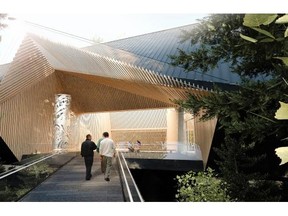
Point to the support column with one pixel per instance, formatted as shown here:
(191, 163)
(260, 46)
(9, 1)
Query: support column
(61, 121)
(181, 127)
(175, 128)
(172, 126)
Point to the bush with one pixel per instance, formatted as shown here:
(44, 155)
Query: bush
(13, 187)
(201, 187)
(2, 168)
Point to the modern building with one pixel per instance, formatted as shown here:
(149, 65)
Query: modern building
(52, 95)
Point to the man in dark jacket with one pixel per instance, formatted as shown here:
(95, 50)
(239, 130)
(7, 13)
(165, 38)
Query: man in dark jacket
(87, 152)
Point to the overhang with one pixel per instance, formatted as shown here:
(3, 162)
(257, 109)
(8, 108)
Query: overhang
(96, 83)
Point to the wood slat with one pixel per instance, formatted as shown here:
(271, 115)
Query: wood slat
(96, 83)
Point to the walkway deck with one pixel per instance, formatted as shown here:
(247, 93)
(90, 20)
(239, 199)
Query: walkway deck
(68, 184)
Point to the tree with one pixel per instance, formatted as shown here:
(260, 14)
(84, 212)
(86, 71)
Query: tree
(2, 25)
(247, 159)
(2, 18)
(96, 39)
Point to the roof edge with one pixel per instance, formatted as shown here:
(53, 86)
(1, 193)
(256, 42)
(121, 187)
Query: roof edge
(163, 30)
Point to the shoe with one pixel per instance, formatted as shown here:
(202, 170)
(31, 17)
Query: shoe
(107, 179)
(89, 177)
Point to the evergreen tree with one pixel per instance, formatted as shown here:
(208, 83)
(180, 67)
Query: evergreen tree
(247, 159)
(2, 24)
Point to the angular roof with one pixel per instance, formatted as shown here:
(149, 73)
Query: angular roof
(152, 51)
(131, 73)
(84, 74)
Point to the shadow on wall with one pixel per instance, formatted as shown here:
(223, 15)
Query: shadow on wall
(6, 155)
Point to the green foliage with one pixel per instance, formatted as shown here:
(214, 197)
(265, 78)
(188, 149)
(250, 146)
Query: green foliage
(283, 59)
(201, 187)
(246, 155)
(217, 38)
(256, 22)
(2, 168)
(253, 40)
(15, 186)
(40, 170)
(282, 20)
(3, 17)
(251, 134)
(282, 112)
(3, 25)
(248, 168)
(251, 20)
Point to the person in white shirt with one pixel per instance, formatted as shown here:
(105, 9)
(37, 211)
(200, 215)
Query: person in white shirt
(107, 152)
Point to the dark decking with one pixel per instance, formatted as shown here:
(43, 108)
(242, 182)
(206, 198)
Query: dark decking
(68, 184)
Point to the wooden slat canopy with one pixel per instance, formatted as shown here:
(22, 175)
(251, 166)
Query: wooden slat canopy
(86, 75)
(41, 69)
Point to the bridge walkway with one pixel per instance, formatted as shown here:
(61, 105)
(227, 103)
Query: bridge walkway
(68, 184)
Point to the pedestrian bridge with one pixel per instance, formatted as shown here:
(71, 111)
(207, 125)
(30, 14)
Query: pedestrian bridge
(68, 183)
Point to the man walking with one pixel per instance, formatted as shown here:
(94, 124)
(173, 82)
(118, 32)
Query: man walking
(87, 152)
(107, 151)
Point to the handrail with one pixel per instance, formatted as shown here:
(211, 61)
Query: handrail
(125, 178)
(135, 185)
(24, 166)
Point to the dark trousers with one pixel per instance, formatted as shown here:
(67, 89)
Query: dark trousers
(88, 163)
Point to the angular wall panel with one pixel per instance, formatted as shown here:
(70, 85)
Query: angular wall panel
(27, 119)
(204, 132)
(28, 67)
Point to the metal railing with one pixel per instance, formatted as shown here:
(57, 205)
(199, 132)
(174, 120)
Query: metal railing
(187, 149)
(24, 166)
(130, 190)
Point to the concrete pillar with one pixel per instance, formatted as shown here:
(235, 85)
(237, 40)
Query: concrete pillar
(61, 121)
(175, 128)
(181, 126)
(172, 126)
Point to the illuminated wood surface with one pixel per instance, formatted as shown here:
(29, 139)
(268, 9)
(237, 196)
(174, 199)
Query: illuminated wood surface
(96, 83)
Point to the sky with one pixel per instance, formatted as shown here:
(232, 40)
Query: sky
(107, 20)
(102, 27)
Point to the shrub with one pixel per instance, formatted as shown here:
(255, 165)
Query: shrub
(2, 168)
(201, 187)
